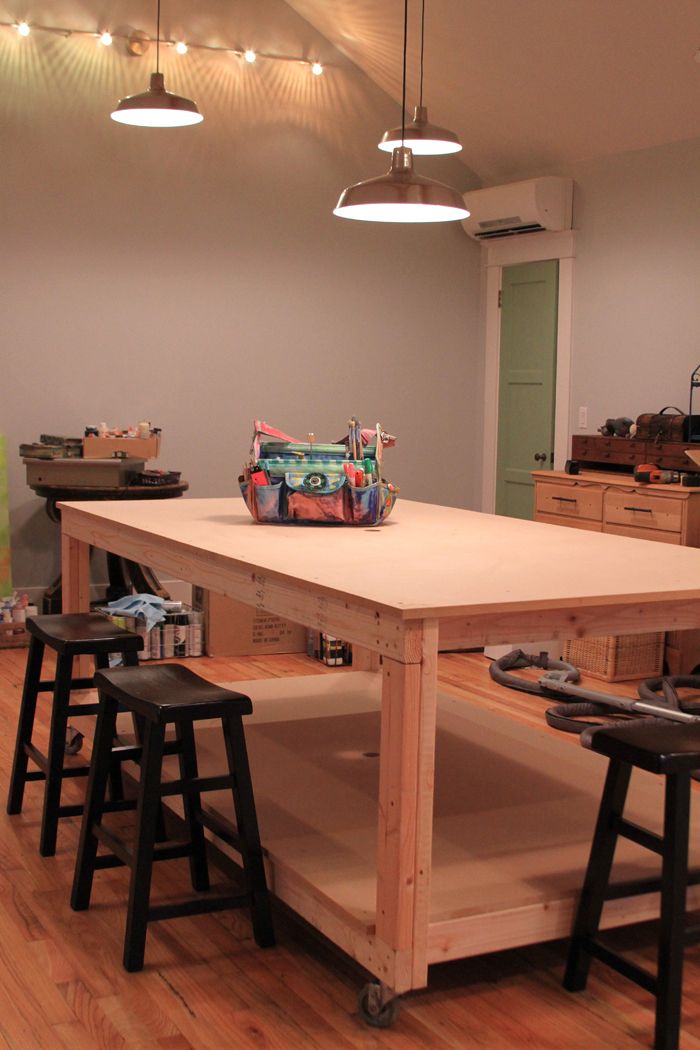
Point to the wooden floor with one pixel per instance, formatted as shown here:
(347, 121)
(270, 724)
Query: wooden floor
(206, 986)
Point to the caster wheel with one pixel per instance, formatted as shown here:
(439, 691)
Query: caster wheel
(74, 741)
(374, 1010)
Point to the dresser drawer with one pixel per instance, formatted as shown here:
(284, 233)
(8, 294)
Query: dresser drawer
(643, 534)
(569, 523)
(642, 511)
(570, 501)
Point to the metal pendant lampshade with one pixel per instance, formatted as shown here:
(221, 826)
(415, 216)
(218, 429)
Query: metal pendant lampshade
(401, 196)
(424, 138)
(157, 108)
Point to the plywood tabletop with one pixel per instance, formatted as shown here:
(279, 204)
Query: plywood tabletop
(424, 561)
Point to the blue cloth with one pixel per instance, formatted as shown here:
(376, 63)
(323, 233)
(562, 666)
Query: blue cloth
(148, 606)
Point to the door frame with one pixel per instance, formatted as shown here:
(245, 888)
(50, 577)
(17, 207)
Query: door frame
(508, 251)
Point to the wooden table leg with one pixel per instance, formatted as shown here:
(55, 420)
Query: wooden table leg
(75, 577)
(364, 659)
(406, 780)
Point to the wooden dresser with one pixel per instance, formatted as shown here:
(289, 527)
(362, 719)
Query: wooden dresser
(606, 502)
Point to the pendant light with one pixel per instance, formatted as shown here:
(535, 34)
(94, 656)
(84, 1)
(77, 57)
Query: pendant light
(157, 108)
(425, 139)
(400, 195)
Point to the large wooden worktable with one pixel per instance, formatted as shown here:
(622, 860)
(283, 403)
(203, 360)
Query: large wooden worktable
(363, 855)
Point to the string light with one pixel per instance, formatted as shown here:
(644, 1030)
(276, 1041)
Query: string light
(182, 48)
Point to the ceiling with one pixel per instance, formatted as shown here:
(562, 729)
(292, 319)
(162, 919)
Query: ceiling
(531, 85)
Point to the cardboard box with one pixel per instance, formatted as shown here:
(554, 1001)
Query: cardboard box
(78, 473)
(234, 629)
(105, 447)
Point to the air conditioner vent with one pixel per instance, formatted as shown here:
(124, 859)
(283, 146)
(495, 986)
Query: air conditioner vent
(507, 231)
(519, 207)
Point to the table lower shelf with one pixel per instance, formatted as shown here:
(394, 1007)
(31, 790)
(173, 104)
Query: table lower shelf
(514, 815)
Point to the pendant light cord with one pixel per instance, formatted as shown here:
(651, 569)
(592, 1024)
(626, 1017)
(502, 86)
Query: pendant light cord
(158, 38)
(422, 39)
(403, 95)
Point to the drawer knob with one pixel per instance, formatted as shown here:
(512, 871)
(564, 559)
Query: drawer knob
(639, 510)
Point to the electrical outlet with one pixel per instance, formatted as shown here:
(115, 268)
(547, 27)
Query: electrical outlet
(583, 418)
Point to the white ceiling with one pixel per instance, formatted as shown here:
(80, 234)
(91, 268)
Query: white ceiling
(533, 84)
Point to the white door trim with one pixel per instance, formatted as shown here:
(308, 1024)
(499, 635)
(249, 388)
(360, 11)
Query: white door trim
(508, 251)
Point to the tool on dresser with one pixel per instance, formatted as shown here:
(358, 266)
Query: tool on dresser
(650, 474)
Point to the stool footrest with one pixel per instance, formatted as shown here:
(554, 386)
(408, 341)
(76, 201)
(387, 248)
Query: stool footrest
(79, 710)
(628, 969)
(108, 860)
(76, 683)
(197, 785)
(642, 836)
(634, 887)
(72, 810)
(196, 906)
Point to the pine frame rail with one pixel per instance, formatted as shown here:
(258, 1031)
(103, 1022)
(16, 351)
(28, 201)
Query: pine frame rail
(429, 573)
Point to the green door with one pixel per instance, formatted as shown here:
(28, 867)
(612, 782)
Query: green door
(526, 386)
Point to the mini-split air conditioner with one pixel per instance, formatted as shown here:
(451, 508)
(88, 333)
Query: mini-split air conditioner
(519, 207)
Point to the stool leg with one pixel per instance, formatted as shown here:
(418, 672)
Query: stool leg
(116, 783)
(138, 722)
(247, 824)
(674, 880)
(94, 804)
(147, 810)
(25, 724)
(595, 883)
(192, 803)
(56, 753)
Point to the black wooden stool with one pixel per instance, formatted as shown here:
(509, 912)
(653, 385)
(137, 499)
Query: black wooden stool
(69, 635)
(170, 695)
(673, 751)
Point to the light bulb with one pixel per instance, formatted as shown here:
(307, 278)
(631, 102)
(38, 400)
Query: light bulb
(106, 38)
(317, 69)
(249, 55)
(181, 47)
(23, 29)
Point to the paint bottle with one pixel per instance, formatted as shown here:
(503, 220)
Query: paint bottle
(168, 631)
(180, 636)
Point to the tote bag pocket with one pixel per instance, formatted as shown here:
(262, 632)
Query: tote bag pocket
(364, 504)
(315, 497)
(263, 501)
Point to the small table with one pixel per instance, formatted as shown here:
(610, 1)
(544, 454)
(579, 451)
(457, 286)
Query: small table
(124, 574)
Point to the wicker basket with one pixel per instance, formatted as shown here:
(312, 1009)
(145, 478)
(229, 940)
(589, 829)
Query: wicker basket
(615, 659)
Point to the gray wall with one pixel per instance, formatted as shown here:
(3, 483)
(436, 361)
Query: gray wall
(636, 335)
(197, 277)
